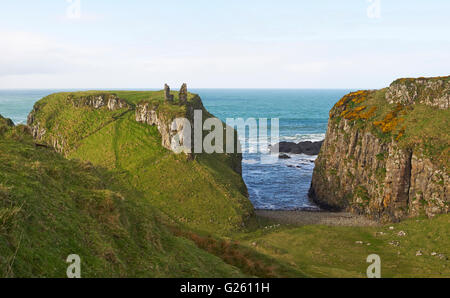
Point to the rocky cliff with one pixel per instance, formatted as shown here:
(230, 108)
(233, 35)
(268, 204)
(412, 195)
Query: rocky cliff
(93, 110)
(386, 152)
(432, 92)
(170, 122)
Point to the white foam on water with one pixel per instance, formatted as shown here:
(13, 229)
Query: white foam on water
(315, 137)
(250, 161)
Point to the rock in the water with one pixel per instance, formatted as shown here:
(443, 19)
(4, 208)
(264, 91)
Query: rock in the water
(308, 148)
(283, 156)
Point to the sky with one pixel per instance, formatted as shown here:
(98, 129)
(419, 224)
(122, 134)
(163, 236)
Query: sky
(90, 44)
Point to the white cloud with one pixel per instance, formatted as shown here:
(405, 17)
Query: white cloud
(24, 53)
(29, 60)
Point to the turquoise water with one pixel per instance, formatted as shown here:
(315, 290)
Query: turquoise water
(303, 116)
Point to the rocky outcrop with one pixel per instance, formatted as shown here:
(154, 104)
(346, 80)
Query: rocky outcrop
(37, 131)
(308, 147)
(173, 126)
(168, 126)
(111, 101)
(358, 170)
(434, 92)
(107, 101)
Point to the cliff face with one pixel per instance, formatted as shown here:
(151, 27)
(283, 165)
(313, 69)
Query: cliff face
(170, 124)
(386, 152)
(431, 92)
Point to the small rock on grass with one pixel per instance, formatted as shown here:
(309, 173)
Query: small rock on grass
(401, 233)
(394, 243)
(419, 253)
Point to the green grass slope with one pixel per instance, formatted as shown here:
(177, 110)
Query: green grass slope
(205, 193)
(51, 207)
(326, 251)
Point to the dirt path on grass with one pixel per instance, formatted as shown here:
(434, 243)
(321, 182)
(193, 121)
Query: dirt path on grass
(316, 218)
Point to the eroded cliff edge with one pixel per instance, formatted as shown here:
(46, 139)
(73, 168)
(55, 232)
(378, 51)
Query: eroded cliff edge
(386, 152)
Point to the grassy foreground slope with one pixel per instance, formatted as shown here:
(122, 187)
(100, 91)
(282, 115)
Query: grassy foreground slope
(51, 207)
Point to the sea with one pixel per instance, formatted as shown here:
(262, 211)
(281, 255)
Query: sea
(302, 114)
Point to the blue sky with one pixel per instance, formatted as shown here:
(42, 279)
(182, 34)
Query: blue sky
(221, 44)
